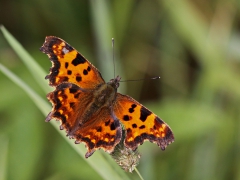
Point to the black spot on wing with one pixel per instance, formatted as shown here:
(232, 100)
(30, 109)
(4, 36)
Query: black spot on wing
(99, 129)
(142, 127)
(78, 60)
(85, 72)
(112, 127)
(78, 78)
(144, 114)
(127, 117)
(107, 122)
(66, 65)
(134, 125)
(131, 110)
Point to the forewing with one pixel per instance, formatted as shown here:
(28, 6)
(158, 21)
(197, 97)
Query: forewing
(68, 65)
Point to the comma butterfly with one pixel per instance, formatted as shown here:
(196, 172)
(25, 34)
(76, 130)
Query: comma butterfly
(91, 111)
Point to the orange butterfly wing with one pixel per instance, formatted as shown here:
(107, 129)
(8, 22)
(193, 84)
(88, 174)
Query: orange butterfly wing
(68, 65)
(98, 129)
(141, 124)
(77, 82)
(104, 132)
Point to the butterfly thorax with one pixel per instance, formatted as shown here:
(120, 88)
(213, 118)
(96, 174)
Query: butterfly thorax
(103, 96)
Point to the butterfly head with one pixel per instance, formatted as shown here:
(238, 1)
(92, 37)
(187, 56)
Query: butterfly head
(115, 82)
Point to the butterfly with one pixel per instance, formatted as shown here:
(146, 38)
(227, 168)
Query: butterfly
(91, 110)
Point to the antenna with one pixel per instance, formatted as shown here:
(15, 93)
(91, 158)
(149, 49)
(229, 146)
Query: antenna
(113, 57)
(157, 77)
(153, 78)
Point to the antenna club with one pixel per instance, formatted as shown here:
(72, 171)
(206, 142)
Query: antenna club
(113, 42)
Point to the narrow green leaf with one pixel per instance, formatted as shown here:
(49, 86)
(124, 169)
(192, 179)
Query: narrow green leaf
(27, 59)
(40, 103)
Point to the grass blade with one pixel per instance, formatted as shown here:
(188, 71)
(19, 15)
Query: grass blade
(27, 59)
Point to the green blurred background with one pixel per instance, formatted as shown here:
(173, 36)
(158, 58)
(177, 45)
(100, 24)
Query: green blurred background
(193, 45)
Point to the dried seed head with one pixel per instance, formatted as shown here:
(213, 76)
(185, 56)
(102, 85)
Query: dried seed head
(126, 158)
